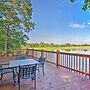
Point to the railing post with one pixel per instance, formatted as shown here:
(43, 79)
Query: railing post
(32, 53)
(42, 53)
(0, 54)
(89, 66)
(58, 58)
(27, 52)
(12, 53)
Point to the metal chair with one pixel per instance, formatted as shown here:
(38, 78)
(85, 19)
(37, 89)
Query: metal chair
(26, 72)
(20, 57)
(5, 70)
(41, 63)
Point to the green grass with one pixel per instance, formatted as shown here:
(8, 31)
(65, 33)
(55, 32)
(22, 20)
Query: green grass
(62, 48)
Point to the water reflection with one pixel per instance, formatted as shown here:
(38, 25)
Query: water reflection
(79, 51)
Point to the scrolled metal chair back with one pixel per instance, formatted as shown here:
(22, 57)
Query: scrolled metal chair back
(26, 72)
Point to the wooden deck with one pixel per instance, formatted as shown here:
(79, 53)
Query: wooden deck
(54, 79)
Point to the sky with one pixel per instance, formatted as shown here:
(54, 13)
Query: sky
(59, 22)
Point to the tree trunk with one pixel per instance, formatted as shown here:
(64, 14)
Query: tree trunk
(5, 48)
(6, 41)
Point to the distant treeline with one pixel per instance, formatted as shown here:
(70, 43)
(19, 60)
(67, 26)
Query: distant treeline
(42, 44)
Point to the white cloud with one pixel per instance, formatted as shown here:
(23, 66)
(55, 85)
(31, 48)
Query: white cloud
(88, 23)
(78, 26)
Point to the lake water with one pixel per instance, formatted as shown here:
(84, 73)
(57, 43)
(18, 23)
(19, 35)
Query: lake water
(85, 63)
(78, 51)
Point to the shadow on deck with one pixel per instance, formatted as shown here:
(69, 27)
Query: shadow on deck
(54, 79)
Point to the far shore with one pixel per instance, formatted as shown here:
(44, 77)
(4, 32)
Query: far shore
(61, 48)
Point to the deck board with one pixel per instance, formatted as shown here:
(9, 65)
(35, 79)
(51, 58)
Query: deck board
(54, 79)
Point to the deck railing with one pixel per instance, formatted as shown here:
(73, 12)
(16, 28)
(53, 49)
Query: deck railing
(78, 63)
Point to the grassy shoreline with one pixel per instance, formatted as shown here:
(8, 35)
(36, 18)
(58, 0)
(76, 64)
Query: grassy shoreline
(61, 48)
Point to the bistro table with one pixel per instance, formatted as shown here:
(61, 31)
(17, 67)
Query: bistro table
(16, 63)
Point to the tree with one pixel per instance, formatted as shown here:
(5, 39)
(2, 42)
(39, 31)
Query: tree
(15, 22)
(86, 5)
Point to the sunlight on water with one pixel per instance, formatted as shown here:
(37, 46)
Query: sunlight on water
(78, 51)
(81, 63)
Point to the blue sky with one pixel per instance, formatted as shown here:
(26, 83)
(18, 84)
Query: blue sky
(60, 21)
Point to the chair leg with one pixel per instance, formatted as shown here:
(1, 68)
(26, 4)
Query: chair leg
(16, 70)
(43, 69)
(35, 83)
(14, 76)
(38, 69)
(19, 85)
(18, 82)
(1, 76)
(34, 80)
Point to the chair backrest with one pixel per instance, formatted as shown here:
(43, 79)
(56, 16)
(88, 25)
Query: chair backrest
(20, 57)
(42, 59)
(27, 71)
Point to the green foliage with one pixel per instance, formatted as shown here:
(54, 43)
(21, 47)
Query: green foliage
(53, 46)
(86, 5)
(42, 44)
(72, 0)
(15, 23)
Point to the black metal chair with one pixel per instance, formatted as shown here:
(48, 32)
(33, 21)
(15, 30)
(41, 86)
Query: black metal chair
(26, 72)
(41, 63)
(4, 69)
(20, 57)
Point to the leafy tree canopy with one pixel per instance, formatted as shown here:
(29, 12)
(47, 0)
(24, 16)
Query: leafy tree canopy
(86, 5)
(15, 22)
